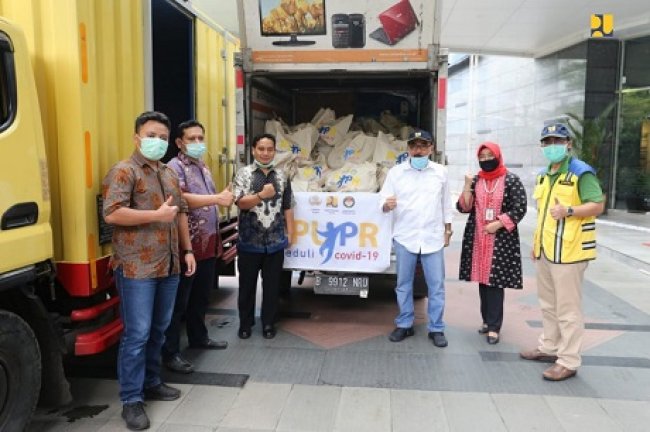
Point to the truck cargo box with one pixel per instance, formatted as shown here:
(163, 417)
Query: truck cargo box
(365, 59)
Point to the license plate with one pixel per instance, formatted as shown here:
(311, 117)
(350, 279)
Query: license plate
(342, 285)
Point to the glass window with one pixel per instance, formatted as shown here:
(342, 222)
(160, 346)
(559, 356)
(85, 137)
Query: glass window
(637, 68)
(633, 163)
(633, 174)
(7, 83)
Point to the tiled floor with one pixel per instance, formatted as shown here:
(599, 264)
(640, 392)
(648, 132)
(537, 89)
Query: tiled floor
(333, 369)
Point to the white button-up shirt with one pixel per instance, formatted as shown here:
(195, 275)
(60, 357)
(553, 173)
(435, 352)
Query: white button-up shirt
(423, 206)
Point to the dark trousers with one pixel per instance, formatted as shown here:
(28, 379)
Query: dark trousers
(192, 301)
(491, 306)
(249, 265)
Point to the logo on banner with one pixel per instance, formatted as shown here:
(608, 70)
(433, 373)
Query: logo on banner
(339, 235)
(336, 234)
(348, 202)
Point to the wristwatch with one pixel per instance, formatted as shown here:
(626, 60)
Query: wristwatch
(569, 211)
(188, 251)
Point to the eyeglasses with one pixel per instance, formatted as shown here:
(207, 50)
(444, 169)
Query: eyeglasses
(419, 146)
(554, 140)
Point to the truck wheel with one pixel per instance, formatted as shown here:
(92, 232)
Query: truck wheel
(20, 372)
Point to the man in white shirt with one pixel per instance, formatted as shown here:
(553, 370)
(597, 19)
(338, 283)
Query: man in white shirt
(417, 192)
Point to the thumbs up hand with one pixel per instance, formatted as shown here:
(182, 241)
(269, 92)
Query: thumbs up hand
(167, 212)
(225, 198)
(558, 211)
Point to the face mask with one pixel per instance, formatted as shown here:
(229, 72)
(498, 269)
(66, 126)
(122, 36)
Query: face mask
(265, 166)
(554, 152)
(489, 165)
(195, 150)
(419, 162)
(153, 148)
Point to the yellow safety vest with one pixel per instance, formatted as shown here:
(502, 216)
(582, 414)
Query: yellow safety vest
(567, 240)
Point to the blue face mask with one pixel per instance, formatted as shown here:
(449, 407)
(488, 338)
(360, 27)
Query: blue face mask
(153, 148)
(554, 152)
(419, 162)
(195, 150)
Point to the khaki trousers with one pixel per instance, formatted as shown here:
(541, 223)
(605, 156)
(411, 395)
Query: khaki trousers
(559, 288)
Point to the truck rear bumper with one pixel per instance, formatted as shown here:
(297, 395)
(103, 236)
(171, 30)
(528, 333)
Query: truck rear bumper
(98, 340)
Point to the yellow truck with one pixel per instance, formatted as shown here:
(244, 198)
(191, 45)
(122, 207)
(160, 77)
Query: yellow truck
(74, 74)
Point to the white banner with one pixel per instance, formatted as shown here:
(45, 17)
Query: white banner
(340, 232)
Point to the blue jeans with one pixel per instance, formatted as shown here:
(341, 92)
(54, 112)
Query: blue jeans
(146, 307)
(433, 265)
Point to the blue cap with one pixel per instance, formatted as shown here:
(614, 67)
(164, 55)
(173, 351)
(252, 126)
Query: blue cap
(421, 135)
(558, 130)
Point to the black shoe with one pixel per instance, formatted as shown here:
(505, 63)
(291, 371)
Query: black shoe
(483, 329)
(438, 339)
(268, 332)
(244, 332)
(399, 334)
(162, 392)
(493, 340)
(178, 364)
(134, 416)
(211, 344)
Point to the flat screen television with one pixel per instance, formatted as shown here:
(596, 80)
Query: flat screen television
(292, 18)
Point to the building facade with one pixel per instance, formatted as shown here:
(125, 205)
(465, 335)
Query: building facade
(600, 88)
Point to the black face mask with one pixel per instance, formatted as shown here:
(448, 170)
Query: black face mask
(489, 165)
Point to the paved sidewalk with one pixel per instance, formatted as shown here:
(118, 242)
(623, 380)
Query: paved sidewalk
(297, 382)
(297, 407)
(626, 237)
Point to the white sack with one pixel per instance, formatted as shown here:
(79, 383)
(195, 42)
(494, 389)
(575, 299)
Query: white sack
(357, 147)
(323, 116)
(352, 178)
(389, 151)
(334, 132)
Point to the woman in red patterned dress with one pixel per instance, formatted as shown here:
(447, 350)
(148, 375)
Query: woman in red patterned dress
(491, 255)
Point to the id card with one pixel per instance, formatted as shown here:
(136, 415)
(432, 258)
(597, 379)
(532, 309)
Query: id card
(489, 214)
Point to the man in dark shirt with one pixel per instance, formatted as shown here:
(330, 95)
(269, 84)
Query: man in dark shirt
(263, 195)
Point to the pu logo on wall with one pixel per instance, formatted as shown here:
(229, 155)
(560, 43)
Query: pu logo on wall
(602, 25)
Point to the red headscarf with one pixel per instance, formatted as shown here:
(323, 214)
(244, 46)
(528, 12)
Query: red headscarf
(500, 170)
